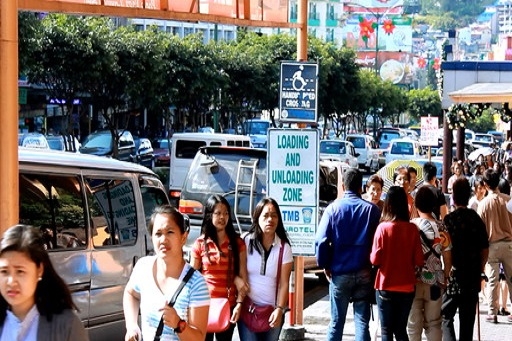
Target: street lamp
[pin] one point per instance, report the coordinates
(378, 16)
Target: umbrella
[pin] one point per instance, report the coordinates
(387, 172)
(483, 152)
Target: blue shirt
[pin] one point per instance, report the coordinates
(349, 224)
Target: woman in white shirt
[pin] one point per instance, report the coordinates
(267, 242)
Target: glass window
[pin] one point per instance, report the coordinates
(332, 147)
(113, 212)
(188, 149)
(54, 204)
(358, 142)
(402, 148)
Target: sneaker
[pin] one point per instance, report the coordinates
(504, 312)
(494, 318)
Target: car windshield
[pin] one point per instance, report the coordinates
(485, 138)
(402, 148)
(256, 128)
(332, 147)
(217, 173)
(358, 142)
(388, 136)
(98, 141)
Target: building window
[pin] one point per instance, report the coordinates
(312, 12)
(293, 12)
(330, 12)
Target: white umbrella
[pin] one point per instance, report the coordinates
(484, 151)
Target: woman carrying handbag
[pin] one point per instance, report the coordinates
(221, 256)
(172, 297)
(269, 265)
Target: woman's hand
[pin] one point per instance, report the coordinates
(170, 316)
(133, 334)
(237, 311)
(241, 286)
(276, 318)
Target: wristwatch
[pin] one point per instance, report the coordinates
(182, 324)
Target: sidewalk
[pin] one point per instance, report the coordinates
(317, 317)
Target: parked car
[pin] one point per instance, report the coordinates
(498, 136)
(161, 150)
(386, 135)
(484, 140)
(339, 150)
(403, 149)
(144, 152)
(33, 140)
(184, 147)
(101, 143)
(366, 147)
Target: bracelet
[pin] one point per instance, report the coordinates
(239, 302)
(283, 309)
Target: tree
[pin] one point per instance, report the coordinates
(65, 57)
(424, 102)
(483, 123)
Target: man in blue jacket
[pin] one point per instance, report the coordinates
(343, 245)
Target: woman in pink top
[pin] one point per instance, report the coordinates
(397, 253)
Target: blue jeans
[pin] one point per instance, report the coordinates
(353, 287)
(248, 335)
(394, 308)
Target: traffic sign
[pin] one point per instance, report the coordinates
(429, 131)
(298, 92)
(292, 180)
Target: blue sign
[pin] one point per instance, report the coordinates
(298, 92)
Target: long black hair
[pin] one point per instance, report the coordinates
(257, 232)
(210, 231)
(52, 294)
(395, 205)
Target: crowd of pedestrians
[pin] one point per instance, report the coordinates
(427, 257)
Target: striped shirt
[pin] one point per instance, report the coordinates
(142, 281)
(215, 267)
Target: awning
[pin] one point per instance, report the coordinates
(483, 93)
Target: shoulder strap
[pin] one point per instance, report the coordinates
(427, 242)
(160, 327)
(279, 264)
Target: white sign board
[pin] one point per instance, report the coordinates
(292, 180)
(429, 131)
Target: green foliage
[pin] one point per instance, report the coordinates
(483, 123)
(424, 102)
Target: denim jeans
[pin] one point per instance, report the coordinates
(343, 289)
(248, 335)
(466, 303)
(394, 308)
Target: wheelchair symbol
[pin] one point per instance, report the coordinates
(298, 82)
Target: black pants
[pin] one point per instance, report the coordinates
(466, 303)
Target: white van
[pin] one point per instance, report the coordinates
(184, 149)
(366, 147)
(92, 212)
